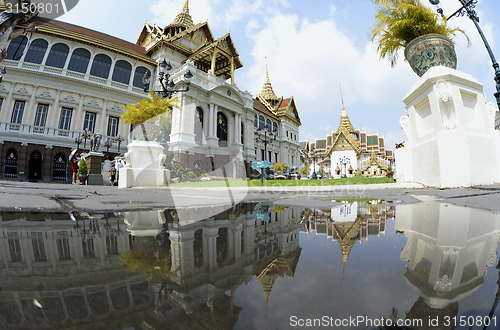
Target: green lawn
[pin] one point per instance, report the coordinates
(286, 183)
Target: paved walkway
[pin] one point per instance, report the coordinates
(53, 197)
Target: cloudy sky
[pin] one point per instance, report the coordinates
(312, 47)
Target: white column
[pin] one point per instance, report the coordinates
(214, 122)
(211, 236)
(7, 105)
(103, 123)
(211, 120)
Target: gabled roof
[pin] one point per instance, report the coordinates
(286, 107)
(258, 104)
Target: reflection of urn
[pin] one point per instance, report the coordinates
(448, 251)
(145, 223)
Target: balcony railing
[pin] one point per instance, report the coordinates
(65, 136)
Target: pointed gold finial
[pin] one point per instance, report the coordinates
(184, 19)
(344, 113)
(267, 91)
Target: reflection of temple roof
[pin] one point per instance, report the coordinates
(271, 268)
(347, 234)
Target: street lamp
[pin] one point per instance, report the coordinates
(118, 139)
(266, 140)
(78, 141)
(85, 135)
(314, 154)
(343, 162)
(108, 143)
(167, 84)
(468, 9)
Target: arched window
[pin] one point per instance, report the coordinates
(58, 55)
(242, 134)
(36, 52)
(275, 128)
(198, 248)
(268, 125)
(262, 122)
(222, 129)
(122, 72)
(16, 48)
(198, 125)
(221, 245)
(79, 61)
(138, 74)
(10, 170)
(100, 66)
(255, 121)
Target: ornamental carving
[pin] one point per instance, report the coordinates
(69, 99)
(46, 95)
(443, 284)
(404, 121)
(116, 108)
(93, 104)
(22, 91)
(443, 91)
(3, 89)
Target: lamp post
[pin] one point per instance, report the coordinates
(167, 84)
(314, 154)
(78, 141)
(343, 162)
(468, 9)
(108, 143)
(85, 135)
(118, 139)
(266, 140)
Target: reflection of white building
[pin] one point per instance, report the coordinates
(74, 269)
(218, 254)
(448, 250)
(74, 273)
(349, 222)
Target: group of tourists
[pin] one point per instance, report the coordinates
(114, 171)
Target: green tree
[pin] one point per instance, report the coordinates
(82, 167)
(397, 22)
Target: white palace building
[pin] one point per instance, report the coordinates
(65, 78)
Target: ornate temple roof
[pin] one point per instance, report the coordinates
(267, 90)
(184, 19)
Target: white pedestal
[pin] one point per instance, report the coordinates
(451, 137)
(144, 166)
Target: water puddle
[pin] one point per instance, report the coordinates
(347, 264)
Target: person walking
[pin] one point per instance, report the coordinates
(74, 168)
(112, 175)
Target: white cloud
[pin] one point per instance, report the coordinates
(310, 59)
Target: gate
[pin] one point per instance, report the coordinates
(59, 168)
(11, 164)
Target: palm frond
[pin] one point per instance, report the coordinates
(397, 22)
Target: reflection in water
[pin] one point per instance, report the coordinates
(448, 251)
(349, 222)
(156, 269)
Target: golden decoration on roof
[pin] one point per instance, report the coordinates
(184, 19)
(267, 91)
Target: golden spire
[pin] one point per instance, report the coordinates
(345, 122)
(184, 18)
(267, 91)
